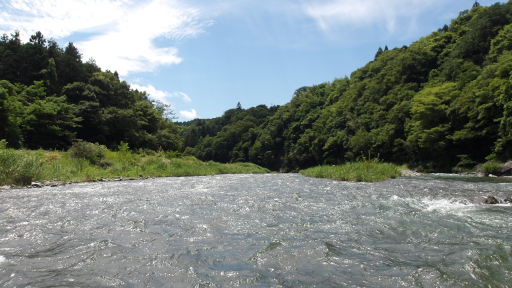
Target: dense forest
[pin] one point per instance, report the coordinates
(49, 98)
(442, 103)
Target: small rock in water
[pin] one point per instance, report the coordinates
(491, 200)
(508, 200)
(479, 174)
(53, 183)
(36, 185)
(407, 173)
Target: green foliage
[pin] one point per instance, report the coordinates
(502, 43)
(48, 123)
(19, 167)
(465, 164)
(173, 155)
(88, 151)
(227, 138)
(365, 171)
(22, 167)
(11, 114)
(50, 97)
(123, 148)
(483, 25)
(491, 167)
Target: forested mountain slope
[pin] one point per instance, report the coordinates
(49, 97)
(443, 102)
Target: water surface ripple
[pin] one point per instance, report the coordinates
(273, 230)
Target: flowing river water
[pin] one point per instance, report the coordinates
(271, 230)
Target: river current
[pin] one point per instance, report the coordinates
(271, 230)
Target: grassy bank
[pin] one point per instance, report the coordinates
(21, 167)
(365, 171)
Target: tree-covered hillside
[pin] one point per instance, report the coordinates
(224, 139)
(443, 102)
(49, 97)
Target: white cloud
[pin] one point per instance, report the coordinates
(331, 14)
(124, 31)
(58, 18)
(189, 114)
(162, 96)
(181, 95)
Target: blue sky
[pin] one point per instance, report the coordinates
(205, 56)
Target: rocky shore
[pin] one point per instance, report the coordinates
(55, 183)
(409, 173)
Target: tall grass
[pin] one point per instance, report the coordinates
(21, 167)
(363, 171)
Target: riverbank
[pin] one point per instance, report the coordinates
(88, 162)
(53, 168)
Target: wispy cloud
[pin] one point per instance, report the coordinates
(124, 32)
(392, 15)
(189, 114)
(58, 18)
(163, 96)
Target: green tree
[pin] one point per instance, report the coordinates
(92, 127)
(379, 52)
(50, 78)
(35, 59)
(11, 113)
(501, 43)
(48, 124)
(483, 26)
(429, 129)
(10, 59)
(69, 66)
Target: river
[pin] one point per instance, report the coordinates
(271, 230)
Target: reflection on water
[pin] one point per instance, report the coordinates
(274, 230)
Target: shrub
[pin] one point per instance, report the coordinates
(89, 151)
(52, 156)
(123, 148)
(19, 168)
(491, 167)
(146, 152)
(105, 163)
(173, 155)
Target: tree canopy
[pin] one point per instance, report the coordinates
(49, 97)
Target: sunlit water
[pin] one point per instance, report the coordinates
(274, 230)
